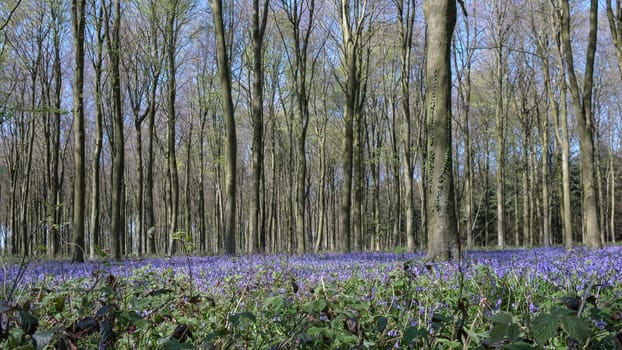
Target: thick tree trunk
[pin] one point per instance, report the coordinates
(440, 18)
(582, 99)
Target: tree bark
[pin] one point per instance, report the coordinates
(79, 183)
(258, 30)
(171, 156)
(440, 16)
(582, 101)
(96, 167)
(231, 142)
(118, 162)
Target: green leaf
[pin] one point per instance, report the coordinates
(274, 304)
(315, 306)
(317, 331)
(497, 333)
(544, 327)
(575, 327)
(236, 319)
(28, 322)
(411, 333)
(381, 323)
(513, 332)
(502, 318)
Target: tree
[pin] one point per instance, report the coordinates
(118, 151)
(5, 21)
(170, 40)
(614, 18)
(354, 20)
(79, 181)
(231, 142)
(258, 31)
(406, 19)
(582, 102)
(301, 20)
(440, 17)
(98, 60)
(466, 43)
(53, 131)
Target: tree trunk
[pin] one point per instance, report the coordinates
(582, 101)
(95, 184)
(116, 226)
(231, 144)
(258, 29)
(79, 183)
(171, 155)
(406, 19)
(440, 16)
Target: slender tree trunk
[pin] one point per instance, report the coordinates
(406, 17)
(150, 224)
(79, 183)
(500, 154)
(171, 155)
(96, 168)
(612, 214)
(231, 144)
(546, 221)
(258, 29)
(54, 142)
(117, 229)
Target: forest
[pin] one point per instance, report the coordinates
(165, 127)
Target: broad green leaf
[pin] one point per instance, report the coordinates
(315, 306)
(411, 333)
(575, 327)
(544, 327)
(513, 332)
(502, 318)
(498, 332)
(274, 303)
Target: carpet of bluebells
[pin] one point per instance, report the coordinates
(512, 299)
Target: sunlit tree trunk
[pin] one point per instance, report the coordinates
(170, 38)
(440, 16)
(500, 117)
(582, 101)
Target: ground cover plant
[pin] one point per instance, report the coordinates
(511, 299)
